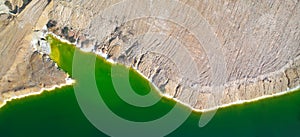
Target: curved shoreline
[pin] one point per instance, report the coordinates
(261, 98)
(69, 81)
(240, 102)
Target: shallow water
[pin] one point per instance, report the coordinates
(58, 114)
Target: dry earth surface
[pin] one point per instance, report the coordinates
(204, 53)
(23, 70)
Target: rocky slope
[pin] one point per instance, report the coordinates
(23, 70)
(204, 53)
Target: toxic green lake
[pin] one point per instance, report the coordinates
(58, 114)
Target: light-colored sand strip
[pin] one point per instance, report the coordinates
(240, 102)
(251, 100)
(69, 81)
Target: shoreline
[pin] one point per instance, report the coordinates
(240, 102)
(68, 82)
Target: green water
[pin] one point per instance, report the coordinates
(57, 113)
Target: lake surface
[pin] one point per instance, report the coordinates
(57, 113)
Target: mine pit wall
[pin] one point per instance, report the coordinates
(164, 74)
(261, 48)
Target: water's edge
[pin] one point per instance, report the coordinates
(102, 55)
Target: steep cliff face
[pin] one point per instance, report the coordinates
(205, 53)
